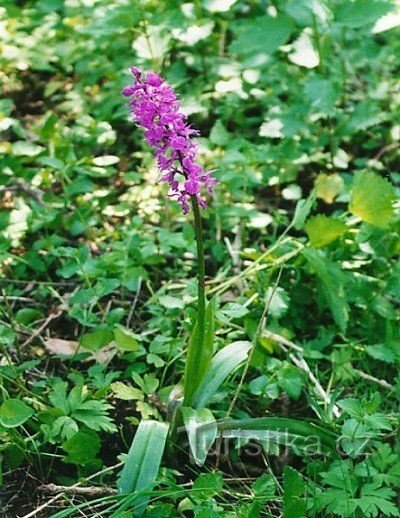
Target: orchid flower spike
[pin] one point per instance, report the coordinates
(155, 107)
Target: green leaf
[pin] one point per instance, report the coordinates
(283, 430)
(125, 339)
(26, 316)
(361, 12)
(171, 302)
(375, 500)
(328, 186)
(278, 301)
(302, 210)
(126, 392)
(199, 359)
(264, 488)
(82, 448)
(381, 352)
(332, 282)
(97, 339)
(263, 34)
(293, 487)
(291, 380)
(323, 230)
(207, 485)
(94, 415)
(14, 412)
(219, 135)
(322, 95)
(372, 199)
(201, 428)
(143, 461)
(222, 364)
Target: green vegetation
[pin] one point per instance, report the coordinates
(291, 407)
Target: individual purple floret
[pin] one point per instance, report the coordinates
(155, 107)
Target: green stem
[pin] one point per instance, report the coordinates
(196, 347)
(200, 267)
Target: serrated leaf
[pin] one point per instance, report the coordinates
(322, 230)
(207, 485)
(328, 186)
(294, 487)
(372, 199)
(126, 392)
(278, 300)
(291, 380)
(264, 488)
(322, 94)
(201, 428)
(143, 461)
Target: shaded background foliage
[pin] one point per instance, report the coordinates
(294, 100)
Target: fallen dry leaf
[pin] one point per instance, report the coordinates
(59, 346)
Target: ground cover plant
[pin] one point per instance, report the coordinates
(127, 390)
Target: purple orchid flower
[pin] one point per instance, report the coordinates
(155, 107)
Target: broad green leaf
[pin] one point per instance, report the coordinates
(143, 461)
(282, 429)
(171, 302)
(97, 339)
(381, 352)
(291, 380)
(328, 186)
(263, 34)
(332, 281)
(323, 230)
(201, 428)
(222, 364)
(293, 487)
(218, 134)
(372, 199)
(14, 412)
(207, 485)
(125, 339)
(82, 448)
(321, 94)
(198, 359)
(361, 12)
